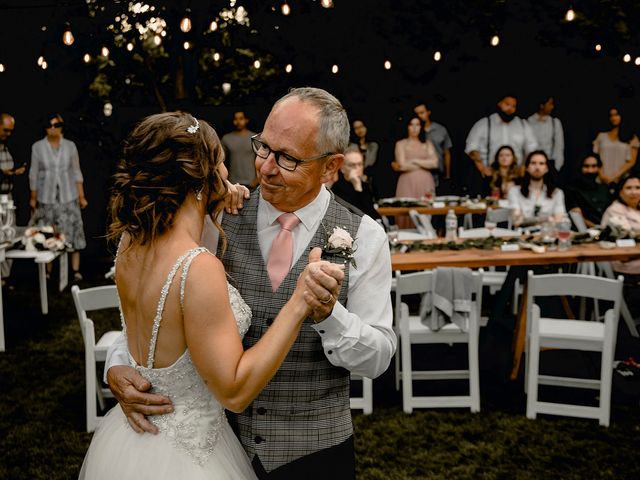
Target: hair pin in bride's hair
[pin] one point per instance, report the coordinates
(195, 127)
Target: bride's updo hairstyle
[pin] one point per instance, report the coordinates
(165, 158)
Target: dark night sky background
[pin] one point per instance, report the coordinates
(539, 54)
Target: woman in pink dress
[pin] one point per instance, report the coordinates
(415, 157)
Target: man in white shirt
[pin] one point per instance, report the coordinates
(300, 425)
(549, 133)
(500, 128)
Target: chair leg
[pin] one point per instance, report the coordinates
(367, 395)
(397, 364)
(474, 372)
(606, 374)
(533, 359)
(407, 382)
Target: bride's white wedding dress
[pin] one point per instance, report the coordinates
(195, 440)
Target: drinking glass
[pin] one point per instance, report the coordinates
(393, 234)
(490, 226)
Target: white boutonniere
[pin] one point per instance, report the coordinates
(340, 243)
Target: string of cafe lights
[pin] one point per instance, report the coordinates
(186, 25)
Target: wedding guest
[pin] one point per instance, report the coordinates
(624, 214)
(617, 147)
(300, 425)
(415, 158)
(57, 191)
(237, 149)
(537, 199)
(505, 172)
(172, 175)
(587, 195)
(369, 149)
(352, 186)
(548, 132)
(438, 135)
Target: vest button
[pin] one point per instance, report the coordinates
(258, 439)
(320, 331)
(330, 352)
(261, 410)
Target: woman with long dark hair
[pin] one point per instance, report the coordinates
(505, 172)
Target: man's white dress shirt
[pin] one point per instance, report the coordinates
(550, 136)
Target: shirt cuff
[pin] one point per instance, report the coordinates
(333, 329)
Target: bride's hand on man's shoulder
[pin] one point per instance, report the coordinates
(131, 390)
(321, 282)
(236, 195)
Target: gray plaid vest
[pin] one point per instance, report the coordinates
(305, 407)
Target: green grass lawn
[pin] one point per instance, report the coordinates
(42, 416)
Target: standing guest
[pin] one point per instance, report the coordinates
(237, 149)
(490, 133)
(549, 133)
(618, 149)
(8, 172)
(438, 135)
(351, 185)
(57, 192)
(369, 149)
(505, 172)
(624, 213)
(300, 425)
(587, 195)
(537, 199)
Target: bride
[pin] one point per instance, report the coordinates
(182, 319)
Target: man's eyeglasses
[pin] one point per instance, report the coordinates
(55, 125)
(284, 160)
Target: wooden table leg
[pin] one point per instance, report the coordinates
(519, 334)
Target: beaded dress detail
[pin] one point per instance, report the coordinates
(197, 428)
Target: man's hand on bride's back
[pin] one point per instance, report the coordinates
(321, 282)
(131, 390)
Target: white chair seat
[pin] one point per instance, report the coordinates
(416, 327)
(104, 343)
(556, 332)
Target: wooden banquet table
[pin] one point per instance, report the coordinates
(476, 258)
(459, 210)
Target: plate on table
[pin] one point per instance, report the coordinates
(447, 198)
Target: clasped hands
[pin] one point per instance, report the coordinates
(321, 281)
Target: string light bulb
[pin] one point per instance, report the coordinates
(105, 52)
(86, 58)
(598, 47)
(44, 65)
(286, 9)
(216, 57)
(213, 26)
(570, 16)
(226, 88)
(326, 3)
(157, 39)
(2, 68)
(67, 36)
(637, 61)
(334, 69)
(288, 68)
(40, 60)
(186, 45)
(129, 46)
(185, 23)
(495, 40)
(256, 64)
(626, 58)
(387, 65)
(437, 56)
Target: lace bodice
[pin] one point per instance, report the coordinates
(195, 423)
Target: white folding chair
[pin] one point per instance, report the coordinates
(365, 402)
(571, 334)
(423, 223)
(412, 331)
(88, 300)
(499, 215)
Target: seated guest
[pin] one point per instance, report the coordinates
(587, 195)
(351, 185)
(505, 172)
(537, 199)
(368, 148)
(623, 213)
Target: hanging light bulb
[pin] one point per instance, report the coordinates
(1, 67)
(105, 52)
(216, 57)
(570, 16)
(67, 36)
(185, 23)
(256, 64)
(288, 68)
(86, 58)
(334, 69)
(387, 65)
(637, 61)
(129, 46)
(44, 65)
(286, 9)
(626, 58)
(326, 3)
(437, 56)
(186, 45)
(598, 47)
(226, 88)
(214, 26)
(157, 39)
(495, 40)
(40, 60)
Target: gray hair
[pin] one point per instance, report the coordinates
(334, 125)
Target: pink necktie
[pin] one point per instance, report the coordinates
(281, 252)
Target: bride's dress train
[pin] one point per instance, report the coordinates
(195, 440)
